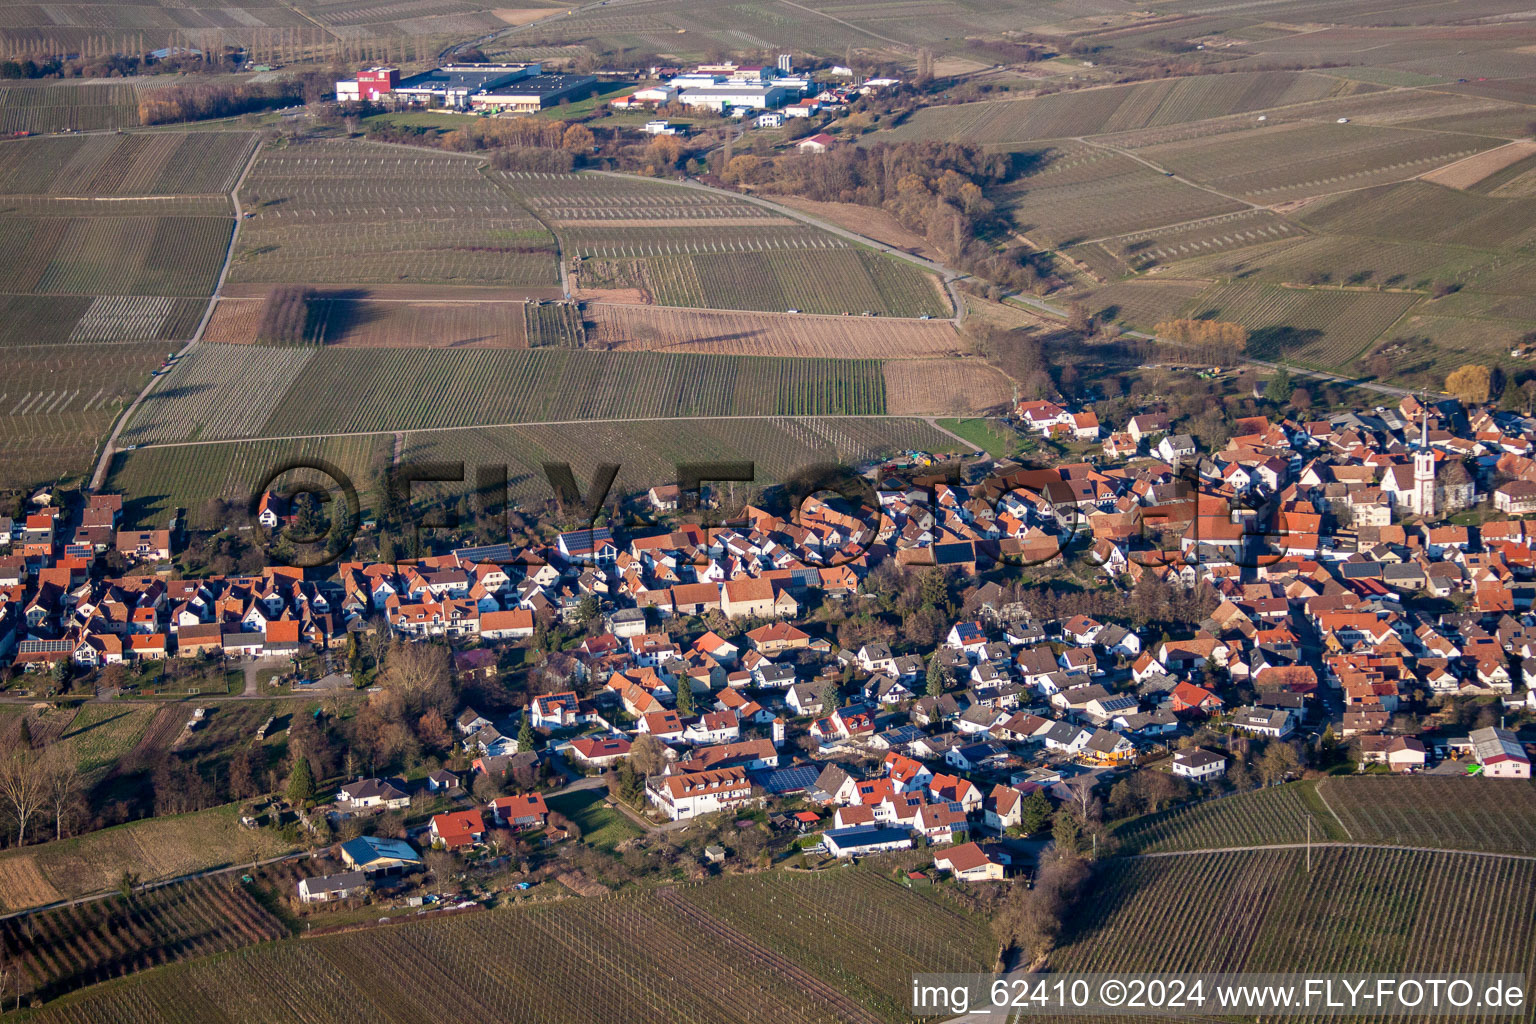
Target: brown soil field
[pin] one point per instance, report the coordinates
(523, 15)
(418, 292)
(1468, 172)
(22, 885)
(944, 387)
(625, 295)
(425, 325)
(657, 328)
(677, 222)
(866, 220)
(234, 321)
(388, 324)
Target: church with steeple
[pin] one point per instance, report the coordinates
(1426, 489)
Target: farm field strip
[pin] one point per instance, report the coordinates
(1274, 164)
(346, 212)
(112, 255)
(233, 391)
(1492, 815)
(147, 164)
(625, 326)
(1273, 815)
(74, 106)
(945, 387)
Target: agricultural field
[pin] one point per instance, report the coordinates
(158, 480)
(58, 402)
(687, 247)
(1233, 231)
(992, 436)
(1351, 261)
(626, 327)
(1075, 193)
(1420, 212)
(80, 251)
(948, 387)
(66, 106)
(232, 391)
(347, 322)
(1491, 815)
(1358, 910)
(1314, 326)
(152, 848)
(1063, 115)
(835, 281)
(217, 391)
(1142, 303)
(159, 164)
(60, 950)
(1277, 814)
(635, 950)
(341, 212)
(100, 734)
(1423, 349)
(1282, 162)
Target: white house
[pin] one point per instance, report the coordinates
(1198, 765)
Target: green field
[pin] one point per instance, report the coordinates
(601, 826)
(849, 940)
(988, 435)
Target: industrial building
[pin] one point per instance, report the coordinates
(520, 88)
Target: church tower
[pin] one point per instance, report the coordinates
(1424, 472)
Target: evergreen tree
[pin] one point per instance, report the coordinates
(1034, 812)
(1279, 388)
(936, 677)
(301, 781)
(685, 697)
(525, 736)
(831, 697)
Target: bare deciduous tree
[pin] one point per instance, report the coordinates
(24, 787)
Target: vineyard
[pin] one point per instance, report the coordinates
(58, 402)
(56, 253)
(59, 950)
(1203, 238)
(947, 387)
(1118, 109)
(159, 164)
(337, 212)
(835, 281)
(158, 480)
(1277, 814)
(231, 391)
(152, 848)
(1493, 815)
(1315, 326)
(1142, 303)
(1358, 910)
(553, 323)
(1421, 212)
(657, 328)
(1076, 192)
(61, 106)
(783, 948)
(1291, 161)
